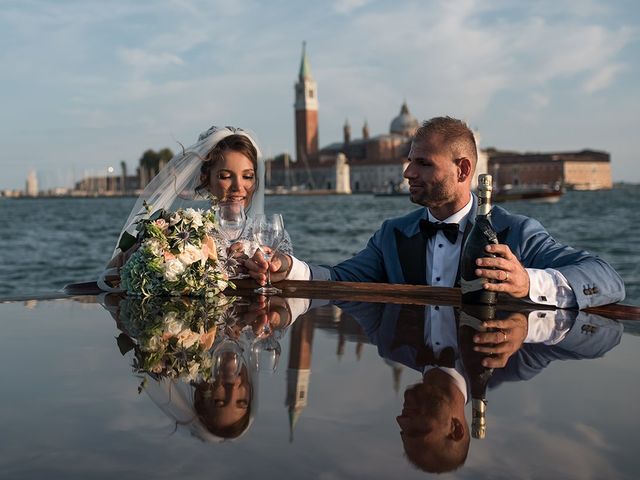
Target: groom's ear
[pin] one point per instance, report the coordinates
(464, 168)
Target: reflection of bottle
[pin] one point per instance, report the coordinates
(481, 235)
(469, 323)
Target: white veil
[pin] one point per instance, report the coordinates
(175, 185)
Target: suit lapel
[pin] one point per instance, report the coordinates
(465, 234)
(412, 254)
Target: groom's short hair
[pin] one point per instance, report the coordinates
(455, 133)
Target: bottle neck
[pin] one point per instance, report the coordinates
(484, 203)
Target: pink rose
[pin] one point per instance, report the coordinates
(162, 224)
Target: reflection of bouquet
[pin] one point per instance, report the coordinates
(172, 337)
(177, 256)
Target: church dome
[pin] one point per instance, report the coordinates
(405, 123)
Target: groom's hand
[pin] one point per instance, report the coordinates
(511, 276)
(257, 267)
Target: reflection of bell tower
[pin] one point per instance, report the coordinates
(299, 370)
(396, 368)
(306, 108)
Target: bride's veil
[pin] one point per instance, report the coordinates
(175, 185)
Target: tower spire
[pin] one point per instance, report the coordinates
(305, 69)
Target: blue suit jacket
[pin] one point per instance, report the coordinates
(396, 253)
(591, 336)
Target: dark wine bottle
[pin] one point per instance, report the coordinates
(470, 318)
(481, 235)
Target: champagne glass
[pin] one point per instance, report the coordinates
(232, 220)
(268, 231)
(227, 360)
(265, 353)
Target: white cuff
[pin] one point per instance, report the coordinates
(550, 287)
(547, 326)
(299, 270)
(297, 306)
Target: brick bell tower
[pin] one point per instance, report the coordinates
(306, 108)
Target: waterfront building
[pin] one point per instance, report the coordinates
(582, 170)
(109, 185)
(31, 188)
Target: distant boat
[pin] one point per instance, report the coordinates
(538, 193)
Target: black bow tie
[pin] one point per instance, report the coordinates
(429, 229)
(426, 356)
(411, 333)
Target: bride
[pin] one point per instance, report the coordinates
(225, 164)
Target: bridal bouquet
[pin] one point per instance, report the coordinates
(172, 337)
(177, 256)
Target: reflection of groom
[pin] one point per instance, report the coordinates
(417, 248)
(435, 434)
(434, 431)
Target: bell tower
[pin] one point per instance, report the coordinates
(306, 108)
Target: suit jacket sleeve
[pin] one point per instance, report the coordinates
(593, 281)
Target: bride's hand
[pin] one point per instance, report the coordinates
(236, 251)
(257, 267)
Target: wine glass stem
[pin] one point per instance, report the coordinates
(268, 285)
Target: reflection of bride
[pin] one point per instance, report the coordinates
(194, 358)
(222, 408)
(199, 359)
(224, 163)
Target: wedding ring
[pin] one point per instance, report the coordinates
(504, 334)
(506, 279)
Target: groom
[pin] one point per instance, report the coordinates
(424, 246)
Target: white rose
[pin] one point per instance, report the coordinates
(193, 216)
(172, 325)
(191, 254)
(191, 374)
(172, 269)
(155, 344)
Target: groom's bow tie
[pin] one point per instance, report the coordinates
(429, 229)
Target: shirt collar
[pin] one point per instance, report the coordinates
(458, 379)
(460, 217)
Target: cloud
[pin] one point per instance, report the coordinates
(347, 6)
(602, 78)
(149, 67)
(143, 60)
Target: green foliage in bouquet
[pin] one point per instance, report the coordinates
(177, 255)
(172, 337)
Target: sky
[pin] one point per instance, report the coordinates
(85, 85)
